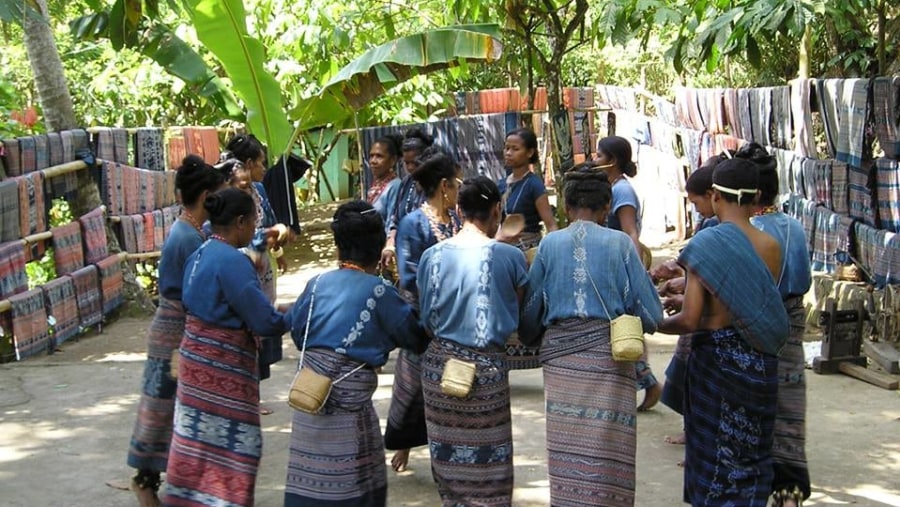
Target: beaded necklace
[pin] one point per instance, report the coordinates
(218, 237)
(768, 210)
(434, 222)
(351, 266)
(189, 218)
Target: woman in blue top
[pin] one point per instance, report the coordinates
(582, 277)
(525, 192)
(470, 287)
(614, 157)
(383, 157)
(217, 438)
(433, 222)
(152, 433)
(345, 323)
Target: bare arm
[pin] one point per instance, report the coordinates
(688, 319)
(542, 204)
(627, 216)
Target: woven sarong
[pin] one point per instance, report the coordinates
(111, 282)
(152, 432)
(111, 187)
(120, 143)
(148, 149)
(866, 246)
(216, 438)
(87, 289)
(470, 438)
(729, 420)
(789, 446)
(676, 374)
(859, 193)
(337, 456)
(93, 233)
(127, 238)
(406, 416)
(825, 240)
(31, 333)
(159, 230)
(68, 254)
(28, 154)
(829, 92)
(481, 140)
(886, 114)
(59, 296)
(840, 188)
(888, 193)
(12, 157)
(781, 116)
(805, 144)
(170, 214)
(13, 279)
(10, 225)
(591, 417)
(149, 240)
(822, 171)
(854, 102)
(32, 207)
(41, 153)
(176, 152)
(54, 149)
(104, 146)
(887, 262)
(761, 113)
(140, 238)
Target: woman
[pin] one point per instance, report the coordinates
(525, 192)
(251, 155)
(614, 157)
(152, 433)
(791, 481)
(582, 277)
(217, 439)
(409, 195)
(470, 287)
(343, 442)
(433, 222)
(383, 157)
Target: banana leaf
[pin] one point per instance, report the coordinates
(382, 67)
(221, 26)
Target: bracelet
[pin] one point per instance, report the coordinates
(389, 248)
(278, 252)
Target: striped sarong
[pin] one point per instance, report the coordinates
(887, 263)
(854, 104)
(840, 188)
(216, 438)
(59, 295)
(120, 145)
(676, 373)
(12, 157)
(149, 448)
(104, 145)
(176, 152)
(825, 240)
(805, 144)
(111, 282)
(32, 207)
(888, 193)
(886, 114)
(54, 149)
(68, 254)
(789, 445)
(159, 231)
(591, 417)
(31, 333)
(808, 168)
(823, 183)
(13, 279)
(87, 290)
(148, 149)
(10, 225)
(829, 92)
(41, 152)
(781, 116)
(93, 233)
(149, 239)
(729, 420)
(337, 456)
(137, 226)
(27, 154)
(859, 193)
(406, 415)
(866, 246)
(128, 238)
(470, 438)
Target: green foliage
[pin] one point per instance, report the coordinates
(147, 275)
(43, 270)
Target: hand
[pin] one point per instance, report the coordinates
(674, 286)
(388, 256)
(282, 264)
(285, 307)
(666, 271)
(271, 236)
(509, 239)
(673, 304)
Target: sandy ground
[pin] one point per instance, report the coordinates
(65, 422)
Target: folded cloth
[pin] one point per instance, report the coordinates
(10, 225)
(159, 232)
(13, 279)
(31, 332)
(111, 282)
(93, 233)
(128, 236)
(104, 145)
(886, 114)
(840, 188)
(825, 242)
(87, 290)
(805, 144)
(61, 304)
(28, 154)
(137, 222)
(55, 149)
(68, 253)
(149, 234)
(41, 152)
(851, 141)
(120, 143)
(12, 157)
(829, 93)
(866, 246)
(888, 193)
(32, 207)
(148, 149)
(781, 116)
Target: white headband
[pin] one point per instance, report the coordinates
(735, 191)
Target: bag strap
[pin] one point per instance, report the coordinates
(786, 251)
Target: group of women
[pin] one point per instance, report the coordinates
(466, 308)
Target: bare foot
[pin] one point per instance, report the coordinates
(264, 411)
(146, 497)
(676, 440)
(789, 503)
(651, 398)
(400, 460)
(681, 464)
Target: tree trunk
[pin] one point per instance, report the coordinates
(805, 50)
(47, 67)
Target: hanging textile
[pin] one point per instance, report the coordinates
(10, 225)
(805, 143)
(93, 233)
(68, 253)
(31, 333)
(148, 149)
(111, 282)
(888, 193)
(87, 291)
(61, 304)
(13, 279)
(12, 155)
(886, 114)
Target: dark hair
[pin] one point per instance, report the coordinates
(530, 141)
(416, 140)
(244, 147)
(358, 233)
(756, 154)
(392, 142)
(226, 205)
(194, 177)
(767, 166)
(620, 149)
(701, 180)
(228, 167)
(737, 173)
(477, 197)
(587, 187)
(435, 165)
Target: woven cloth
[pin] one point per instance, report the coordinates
(176, 152)
(111, 282)
(54, 149)
(32, 207)
(41, 152)
(887, 175)
(829, 93)
(840, 188)
(68, 253)
(781, 116)
(31, 333)
(159, 231)
(140, 238)
(149, 234)
(12, 157)
(28, 154)
(13, 279)
(10, 225)
(825, 240)
(61, 304)
(120, 143)
(860, 193)
(148, 149)
(93, 232)
(104, 145)
(87, 291)
(887, 264)
(851, 141)
(170, 214)
(805, 143)
(761, 114)
(202, 141)
(886, 114)
(128, 236)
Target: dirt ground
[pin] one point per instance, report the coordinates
(66, 419)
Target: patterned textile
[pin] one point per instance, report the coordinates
(444, 133)
(887, 262)
(591, 417)
(111, 282)
(866, 246)
(682, 107)
(149, 448)
(13, 279)
(781, 116)
(12, 156)
(888, 193)
(41, 152)
(104, 146)
(149, 232)
(846, 233)
(128, 237)
(10, 226)
(32, 208)
(93, 232)
(120, 140)
(825, 240)
(148, 149)
(745, 114)
(68, 253)
(761, 111)
(731, 112)
(54, 149)
(406, 415)
(140, 237)
(68, 149)
(840, 188)
(886, 114)
(673, 394)
(159, 231)
(853, 117)
(785, 160)
(805, 143)
(176, 153)
(789, 445)
(111, 186)
(337, 456)
(170, 214)
(829, 93)
(690, 141)
(217, 439)
(87, 290)
(859, 192)
(729, 420)
(481, 140)
(823, 177)
(31, 333)
(61, 305)
(28, 154)
(470, 438)
(494, 100)
(203, 141)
